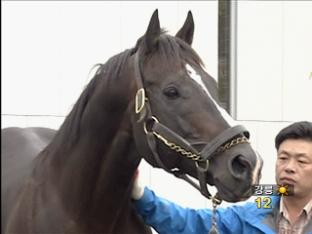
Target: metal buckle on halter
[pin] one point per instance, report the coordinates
(139, 100)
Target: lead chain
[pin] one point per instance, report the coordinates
(214, 228)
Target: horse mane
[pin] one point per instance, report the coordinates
(170, 48)
(176, 49)
(70, 130)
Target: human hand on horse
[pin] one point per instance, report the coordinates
(138, 186)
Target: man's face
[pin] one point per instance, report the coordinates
(294, 166)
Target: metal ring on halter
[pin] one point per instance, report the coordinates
(144, 126)
(202, 169)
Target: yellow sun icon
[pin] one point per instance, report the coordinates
(282, 190)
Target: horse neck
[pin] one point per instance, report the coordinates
(93, 175)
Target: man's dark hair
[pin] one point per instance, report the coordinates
(298, 130)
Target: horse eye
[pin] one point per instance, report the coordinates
(171, 92)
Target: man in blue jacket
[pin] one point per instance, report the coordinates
(285, 214)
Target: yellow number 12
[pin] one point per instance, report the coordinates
(263, 202)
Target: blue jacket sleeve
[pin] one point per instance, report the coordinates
(169, 218)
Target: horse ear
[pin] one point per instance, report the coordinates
(187, 31)
(153, 31)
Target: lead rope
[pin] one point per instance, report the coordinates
(214, 228)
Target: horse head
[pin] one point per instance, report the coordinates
(177, 122)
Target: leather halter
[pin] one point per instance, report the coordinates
(156, 131)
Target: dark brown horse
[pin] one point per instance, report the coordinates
(153, 101)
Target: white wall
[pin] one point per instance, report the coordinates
(274, 67)
(274, 57)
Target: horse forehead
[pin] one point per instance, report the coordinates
(197, 78)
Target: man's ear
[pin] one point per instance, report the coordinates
(187, 31)
(153, 32)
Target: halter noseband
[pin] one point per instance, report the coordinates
(154, 130)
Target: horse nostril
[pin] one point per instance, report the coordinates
(240, 166)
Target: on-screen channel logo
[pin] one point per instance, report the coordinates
(273, 190)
